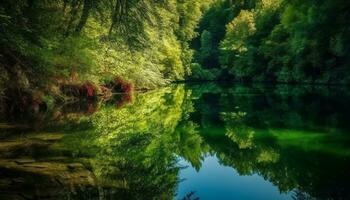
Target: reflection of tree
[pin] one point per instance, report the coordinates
(133, 148)
(190, 196)
(299, 195)
(138, 143)
(132, 152)
(268, 156)
(283, 138)
(190, 144)
(237, 131)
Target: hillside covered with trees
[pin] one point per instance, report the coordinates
(143, 41)
(276, 41)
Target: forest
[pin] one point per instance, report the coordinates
(53, 49)
(175, 99)
(275, 41)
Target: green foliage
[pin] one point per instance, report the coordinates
(238, 31)
(135, 145)
(206, 46)
(198, 73)
(279, 41)
(214, 21)
(146, 42)
(134, 151)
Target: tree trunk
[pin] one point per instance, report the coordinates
(120, 9)
(75, 4)
(88, 4)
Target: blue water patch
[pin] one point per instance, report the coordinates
(215, 181)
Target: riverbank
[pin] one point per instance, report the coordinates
(119, 91)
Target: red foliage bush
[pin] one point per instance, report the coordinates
(89, 89)
(125, 99)
(123, 86)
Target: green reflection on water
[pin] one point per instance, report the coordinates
(295, 137)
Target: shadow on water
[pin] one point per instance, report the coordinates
(294, 137)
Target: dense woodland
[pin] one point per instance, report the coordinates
(47, 44)
(150, 43)
(275, 40)
(79, 60)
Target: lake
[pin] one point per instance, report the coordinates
(184, 142)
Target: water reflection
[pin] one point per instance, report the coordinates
(215, 181)
(284, 142)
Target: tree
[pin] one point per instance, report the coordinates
(88, 5)
(206, 46)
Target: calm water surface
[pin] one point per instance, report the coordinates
(183, 142)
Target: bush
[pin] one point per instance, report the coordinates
(198, 73)
(120, 85)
